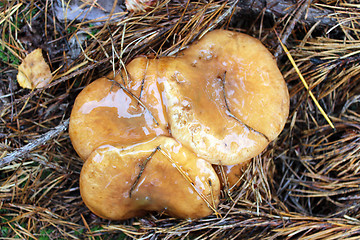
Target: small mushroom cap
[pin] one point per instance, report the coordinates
(230, 176)
(105, 113)
(111, 173)
(225, 96)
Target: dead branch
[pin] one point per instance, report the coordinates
(279, 9)
(23, 151)
(290, 27)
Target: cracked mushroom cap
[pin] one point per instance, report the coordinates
(225, 96)
(118, 112)
(120, 182)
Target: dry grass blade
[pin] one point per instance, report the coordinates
(305, 83)
(8, 13)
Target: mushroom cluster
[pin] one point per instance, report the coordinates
(151, 135)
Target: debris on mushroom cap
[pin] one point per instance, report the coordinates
(140, 79)
(111, 112)
(120, 182)
(231, 99)
(34, 72)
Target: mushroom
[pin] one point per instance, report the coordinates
(123, 181)
(226, 98)
(159, 125)
(120, 111)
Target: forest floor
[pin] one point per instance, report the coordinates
(305, 185)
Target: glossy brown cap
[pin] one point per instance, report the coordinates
(106, 113)
(225, 96)
(120, 182)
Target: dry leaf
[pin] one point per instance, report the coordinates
(34, 72)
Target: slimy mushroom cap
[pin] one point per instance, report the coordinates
(225, 96)
(121, 111)
(120, 182)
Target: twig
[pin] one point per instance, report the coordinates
(56, 82)
(23, 151)
(142, 168)
(143, 80)
(281, 8)
(226, 14)
(291, 27)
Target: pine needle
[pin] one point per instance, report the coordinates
(191, 182)
(304, 82)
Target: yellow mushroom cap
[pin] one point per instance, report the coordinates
(226, 99)
(173, 180)
(105, 113)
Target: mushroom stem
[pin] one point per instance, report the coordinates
(229, 113)
(142, 168)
